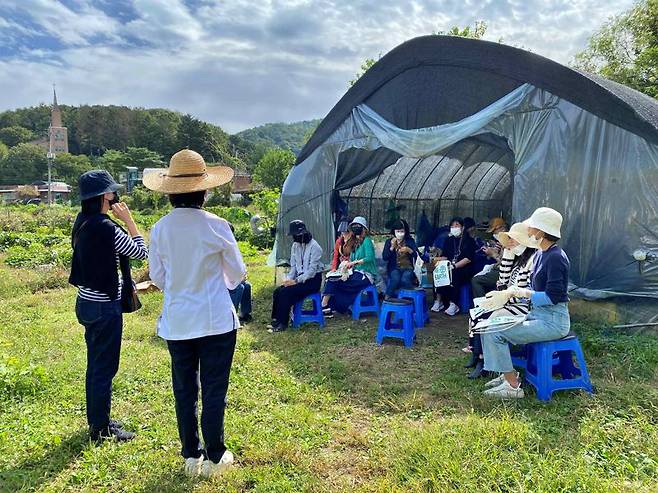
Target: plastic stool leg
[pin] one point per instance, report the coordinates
(584, 373)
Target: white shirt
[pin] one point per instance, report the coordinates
(305, 261)
(194, 259)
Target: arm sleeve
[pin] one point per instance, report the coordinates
(292, 274)
(556, 280)
(386, 252)
(130, 247)
(156, 267)
(233, 267)
(469, 250)
(334, 260)
(369, 249)
(314, 261)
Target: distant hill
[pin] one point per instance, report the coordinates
(291, 136)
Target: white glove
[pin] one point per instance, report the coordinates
(496, 300)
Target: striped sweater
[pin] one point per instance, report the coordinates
(134, 247)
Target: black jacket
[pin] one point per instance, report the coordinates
(94, 255)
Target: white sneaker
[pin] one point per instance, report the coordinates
(211, 468)
(193, 466)
(505, 391)
(497, 381)
(437, 306)
(452, 310)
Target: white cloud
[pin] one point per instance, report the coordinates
(240, 63)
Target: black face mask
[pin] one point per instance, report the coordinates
(298, 238)
(114, 200)
(357, 230)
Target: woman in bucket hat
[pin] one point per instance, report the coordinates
(194, 259)
(342, 292)
(303, 279)
(548, 318)
(100, 249)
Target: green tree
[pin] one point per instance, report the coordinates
(625, 49)
(68, 168)
(24, 163)
(365, 66)
(4, 150)
(116, 161)
(477, 31)
(15, 135)
(273, 167)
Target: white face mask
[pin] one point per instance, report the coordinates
(456, 232)
(518, 250)
(534, 241)
(399, 235)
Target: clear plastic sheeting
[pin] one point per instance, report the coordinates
(604, 180)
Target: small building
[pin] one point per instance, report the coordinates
(36, 192)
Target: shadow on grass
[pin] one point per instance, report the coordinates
(34, 472)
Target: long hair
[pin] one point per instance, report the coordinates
(522, 260)
(93, 205)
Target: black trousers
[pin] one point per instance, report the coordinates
(284, 297)
(206, 360)
(482, 285)
(103, 322)
(450, 294)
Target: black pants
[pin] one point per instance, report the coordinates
(103, 324)
(450, 294)
(206, 360)
(284, 297)
(482, 285)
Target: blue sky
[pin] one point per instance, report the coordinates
(241, 63)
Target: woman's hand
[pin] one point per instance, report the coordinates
(289, 282)
(122, 213)
(406, 250)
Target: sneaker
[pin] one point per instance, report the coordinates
(193, 466)
(467, 349)
(211, 468)
(498, 380)
(112, 432)
(452, 310)
(437, 306)
(276, 328)
(505, 391)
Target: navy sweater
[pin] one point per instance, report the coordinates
(550, 276)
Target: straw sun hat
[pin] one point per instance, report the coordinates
(187, 172)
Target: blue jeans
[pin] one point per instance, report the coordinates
(399, 279)
(241, 298)
(206, 361)
(543, 323)
(103, 322)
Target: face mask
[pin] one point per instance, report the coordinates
(456, 232)
(357, 230)
(534, 241)
(297, 238)
(114, 200)
(518, 250)
(399, 235)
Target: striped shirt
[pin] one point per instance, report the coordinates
(134, 247)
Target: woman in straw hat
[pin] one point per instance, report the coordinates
(548, 318)
(194, 259)
(515, 266)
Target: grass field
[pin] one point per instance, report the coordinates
(315, 411)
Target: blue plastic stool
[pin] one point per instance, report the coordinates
(366, 301)
(396, 320)
(421, 312)
(314, 315)
(465, 298)
(546, 359)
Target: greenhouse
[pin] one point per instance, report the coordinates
(447, 126)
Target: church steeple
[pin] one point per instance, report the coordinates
(55, 113)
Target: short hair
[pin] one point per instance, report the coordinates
(190, 199)
(93, 205)
(456, 219)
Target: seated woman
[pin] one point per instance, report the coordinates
(304, 278)
(459, 249)
(515, 267)
(400, 253)
(342, 251)
(548, 318)
(343, 290)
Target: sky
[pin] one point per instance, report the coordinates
(242, 63)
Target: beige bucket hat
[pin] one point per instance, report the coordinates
(187, 172)
(518, 232)
(547, 220)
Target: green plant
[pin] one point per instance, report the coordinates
(19, 378)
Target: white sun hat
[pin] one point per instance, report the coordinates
(360, 220)
(547, 220)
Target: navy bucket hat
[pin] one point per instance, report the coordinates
(96, 182)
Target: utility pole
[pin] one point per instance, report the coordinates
(50, 157)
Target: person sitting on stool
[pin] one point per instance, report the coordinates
(304, 278)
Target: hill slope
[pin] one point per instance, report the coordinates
(291, 136)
